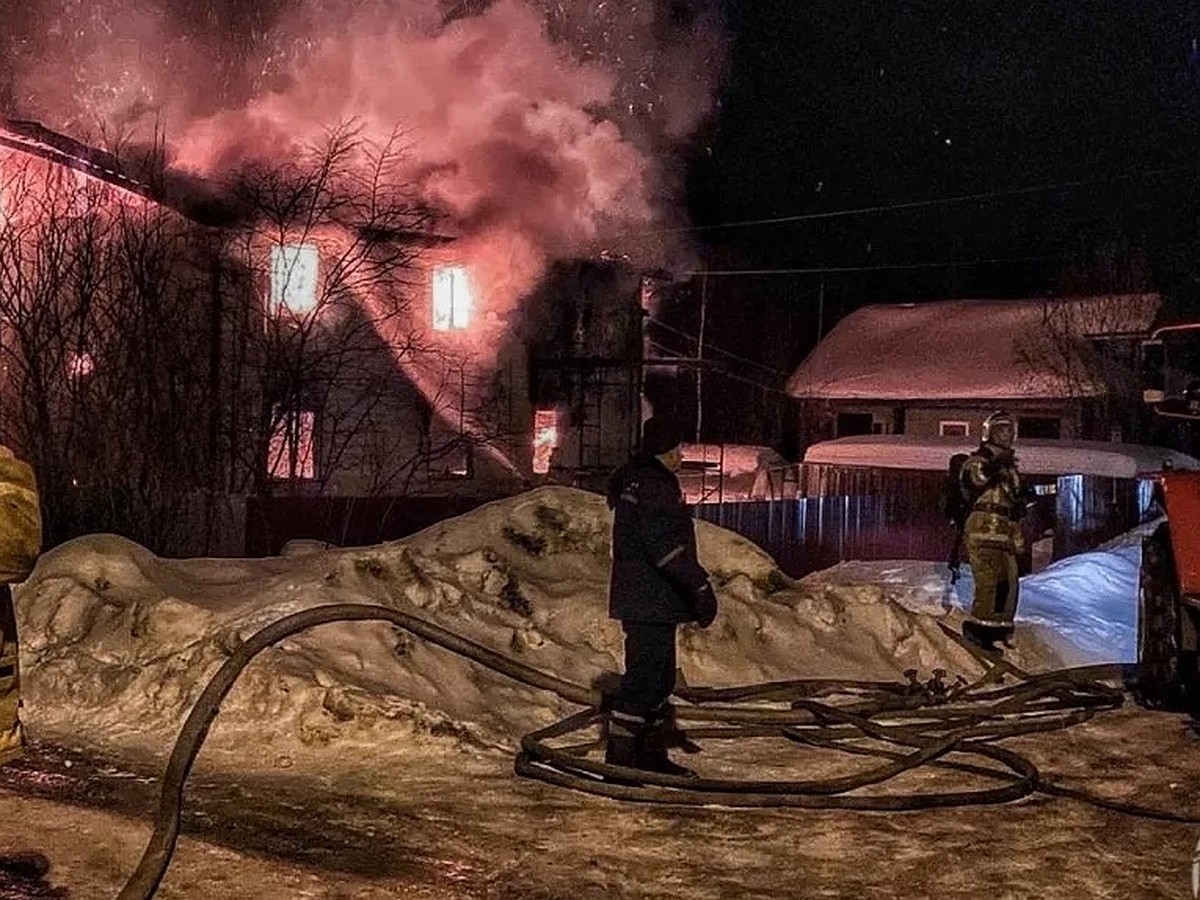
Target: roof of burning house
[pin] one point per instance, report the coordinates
(971, 349)
(202, 202)
(192, 196)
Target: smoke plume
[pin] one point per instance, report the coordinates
(542, 128)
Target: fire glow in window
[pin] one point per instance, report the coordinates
(80, 364)
(545, 439)
(290, 455)
(293, 278)
(451, 298)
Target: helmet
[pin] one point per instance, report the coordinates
(998, 419)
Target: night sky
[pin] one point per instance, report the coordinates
(835, 105)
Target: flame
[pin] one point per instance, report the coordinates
(545, 439)
(451, 298)
(294, 278)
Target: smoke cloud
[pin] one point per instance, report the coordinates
(542, 128)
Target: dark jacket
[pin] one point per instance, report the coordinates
(655, 572)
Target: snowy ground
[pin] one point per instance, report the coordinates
(357, 761)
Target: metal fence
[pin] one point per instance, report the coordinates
(842, 513)
(830, 514)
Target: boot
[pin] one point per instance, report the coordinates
(652, 752)
(622, 734)
(982, 636)
(1006, 635)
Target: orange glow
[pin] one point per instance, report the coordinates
(545, 439)
(293, 278)
(290, 455)
(80, 364)
(451, 298)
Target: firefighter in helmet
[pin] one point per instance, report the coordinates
(20, 541)
(657, 583)
(992, 533)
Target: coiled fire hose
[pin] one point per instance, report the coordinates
(907, 725)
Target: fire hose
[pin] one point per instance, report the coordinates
(906, 725)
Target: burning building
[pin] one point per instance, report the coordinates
(270, 354)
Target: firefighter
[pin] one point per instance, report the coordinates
(20, 542)
(992, 532)
(657, 583)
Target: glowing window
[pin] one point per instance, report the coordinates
(451, 298)
(545, 439)
(80, 364)
(293, 278)
(290, 454)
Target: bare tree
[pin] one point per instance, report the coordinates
(155, 362)
(1086, 349)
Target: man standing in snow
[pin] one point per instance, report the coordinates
(657, 583)
(992, 533)
(20, 541)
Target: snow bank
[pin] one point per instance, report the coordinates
(118, 643)
(1083, 609)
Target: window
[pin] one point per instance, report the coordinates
(293, 278)
(451, 298)
(954, 428)
(290, 454)
(545, 439)
(849, 424)
(1039, 427)
(80, 364)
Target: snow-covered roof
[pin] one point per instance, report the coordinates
(733, 459)
(1034, 456)
(968, 349)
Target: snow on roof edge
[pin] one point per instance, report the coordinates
(1035, 456)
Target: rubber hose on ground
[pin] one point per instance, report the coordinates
(905, 725)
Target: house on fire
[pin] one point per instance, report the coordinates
(1065, 367)
(158, 332)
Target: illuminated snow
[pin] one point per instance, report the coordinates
(1036, 456)
(967, 349)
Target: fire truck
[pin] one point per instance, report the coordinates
(1169, 594)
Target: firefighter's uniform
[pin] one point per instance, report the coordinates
(656, 584)
(20, 541)
(992, 534)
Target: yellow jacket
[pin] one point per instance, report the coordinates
(20, 542)
(995, 515)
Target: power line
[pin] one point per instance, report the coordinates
(710, 346)
(911, 204)
(725, 373)
(881, 267)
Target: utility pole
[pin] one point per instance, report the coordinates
(700, 355)
(821, 311)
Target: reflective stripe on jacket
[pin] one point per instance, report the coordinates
(994, 519)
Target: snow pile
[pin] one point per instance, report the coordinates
(732, 459)
(1083, 607)
(118, 643)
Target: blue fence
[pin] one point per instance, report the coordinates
(878, 514)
